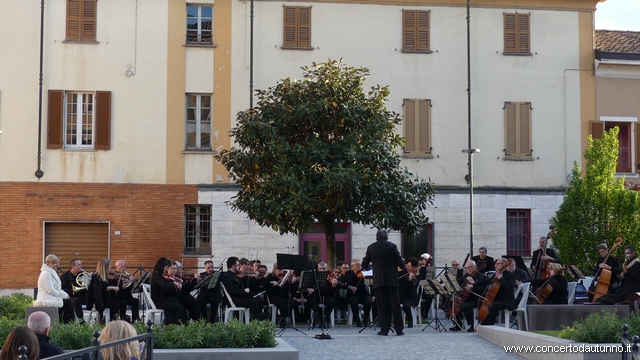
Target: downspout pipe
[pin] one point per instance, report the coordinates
(39, 173)
(251, 59)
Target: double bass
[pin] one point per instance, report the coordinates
(541, 266)
(491, 294)
(603, 281)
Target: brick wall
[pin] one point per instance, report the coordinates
(150, 219)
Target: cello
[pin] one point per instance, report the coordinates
(603, 281)
(546, 289)
(491, 294)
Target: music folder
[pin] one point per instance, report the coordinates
(432, 287)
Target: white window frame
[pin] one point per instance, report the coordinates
(632, 150)
(198, 122)
(200, 19)
(79, 119)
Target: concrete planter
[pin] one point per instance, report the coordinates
(509, 337)
(283, 351)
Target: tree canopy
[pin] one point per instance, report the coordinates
(322, 150)
(597, 207)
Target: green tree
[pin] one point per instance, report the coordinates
(321, 149)
(597, 207)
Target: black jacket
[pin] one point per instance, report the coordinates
(484, 265)
(505, 293)
(46, 349)
(386, 260)
(559, 293)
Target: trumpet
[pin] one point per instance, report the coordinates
(83, 279)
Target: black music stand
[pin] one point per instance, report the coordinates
(575, 273)
(145, 278)
(434, 288)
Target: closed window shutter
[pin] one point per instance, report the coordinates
(290, 27)
(103, 120)
(89, 20)
(510, 130)
(523, 33)
(423, 30)
(54, 119)
(524, 120)
(637, 138)
(410, 127)
(424, 114)
(73, 20)
(304, 26)
(596, 128)
(409, 30)
(85, 241)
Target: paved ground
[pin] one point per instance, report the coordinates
(347, 343)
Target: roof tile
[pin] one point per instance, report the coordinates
(618, 41)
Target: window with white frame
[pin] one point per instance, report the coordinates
(197, 229)
(78, 120)
(198, 119)
(628, 140)
(199, 24)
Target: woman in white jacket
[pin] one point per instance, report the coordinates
(50, 291)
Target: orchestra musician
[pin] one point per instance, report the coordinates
(123, 282)
(238, 292)
(520, 275)
(184, 293)
(630, 282)
(326, 295)
(357, 293)
(504, 298)
(612, 264)
(456, 269)
(78, 297)
(471, 302)
(211, 296)
(559, 283)
(408, 291)
(278, 291)
(164, 293)
(483, 262)
(101, 293)
(50, 291)
(549, 255)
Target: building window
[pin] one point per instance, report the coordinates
(418, 244)
(417, 127)
(518, 232)
(81, 20)
(314, 243)
(628, 141)
(415, 31)
(517, 132)
(517, 34)
(197, 230)
(199, 24)
(79, 120)
(297, 27)
(198, 119)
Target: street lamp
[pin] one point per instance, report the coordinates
(470, 153)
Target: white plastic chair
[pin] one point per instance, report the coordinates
(522, 306)
(244, 313)
(155, 314)
(571, 292)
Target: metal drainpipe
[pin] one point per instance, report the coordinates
(39, 173)
(470, 154)
(251, 61)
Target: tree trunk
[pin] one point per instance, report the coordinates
(330, 237)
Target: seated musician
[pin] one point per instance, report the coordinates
(102, 291)
(520, 275)
(69, 284)
(408, 288)
(538, 257)
(357, 292)
(211, 296)
(341, 291)
(612, 264)
(326, 296)
(238, 292)
(278, 291)
(471, 302)
(184, 293)
(504, 298)
(456, 269)
(483, 262)
(630, 282)
(557, 281)
(164, 291)
(50, 291)
(426, 298)
(124, 282)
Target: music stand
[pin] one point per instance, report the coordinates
(575, 272)
(434, 288)
(143, 279)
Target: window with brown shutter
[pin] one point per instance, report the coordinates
(297, 27)
(517, 130)
(417, 127)
(517, 34)
(103, 120)
(415, 30)
(54, 119)
(627, 138)
(81, 20)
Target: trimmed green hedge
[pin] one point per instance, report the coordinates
(602, 327)
(14, 306)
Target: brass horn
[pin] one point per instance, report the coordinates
(83, 279)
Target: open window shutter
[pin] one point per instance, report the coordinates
(290, 27)
(73, 20)
(523, 33)
(424, 127)
(423, 30)
(103, 120)
(88, 20)
(596, 128)
(410, 126)
(510, 129)
(510, 33)
(525, 129)
(54, 119)
(637, 137)
(304, 26)
(409, 30)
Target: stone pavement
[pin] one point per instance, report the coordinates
(347, 343)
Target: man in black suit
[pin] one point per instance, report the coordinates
(238, 292)
(538, 257)
(504, 298)
(40, 323)
(483, 262)
(386, 260)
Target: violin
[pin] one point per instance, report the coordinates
(176, 281)
(332, 277)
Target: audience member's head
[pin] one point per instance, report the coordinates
(20, 335)
(118, 330)
(39, 322)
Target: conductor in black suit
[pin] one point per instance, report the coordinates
(386, 260)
